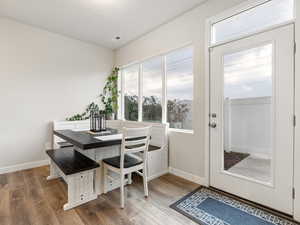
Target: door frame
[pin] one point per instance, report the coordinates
(280, 44)
(297, 113)
(207, 48)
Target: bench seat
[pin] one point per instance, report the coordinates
(70, 161)
(78, 171)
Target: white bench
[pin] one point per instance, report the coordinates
(78, 171)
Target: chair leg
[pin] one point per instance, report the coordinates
(129, 178)
(145, 181)
(122, 191)
(105, 179)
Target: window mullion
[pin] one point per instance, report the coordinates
(140, 91)
(121, 96)
(164, 90)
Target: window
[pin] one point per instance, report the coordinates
(152, 90)
(171, 74)
(256, 18)
(131, 85)
(179, 70)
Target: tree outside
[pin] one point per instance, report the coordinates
(179, 112)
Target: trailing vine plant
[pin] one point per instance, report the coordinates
(109, 99)
(91, 108)
(110, 94)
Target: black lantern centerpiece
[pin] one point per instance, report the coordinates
(98, 121)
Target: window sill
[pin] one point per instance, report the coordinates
(181, 131)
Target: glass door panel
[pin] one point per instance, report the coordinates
(248, 113)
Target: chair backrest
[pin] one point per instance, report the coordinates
(159, 131)
(135, 140)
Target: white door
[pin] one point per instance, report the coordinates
(252, 119)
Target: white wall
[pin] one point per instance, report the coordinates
(247, 126)
(186, 150)
(43, 77)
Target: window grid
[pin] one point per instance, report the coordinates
(164, 99)
(140, 91)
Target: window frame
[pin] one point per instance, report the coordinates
(243, 7)
(140, 87)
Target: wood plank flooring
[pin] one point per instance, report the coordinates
(27, 198)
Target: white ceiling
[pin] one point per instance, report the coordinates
(97, 21)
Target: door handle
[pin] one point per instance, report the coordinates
(213, 125)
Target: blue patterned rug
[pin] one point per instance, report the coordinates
(207, 207)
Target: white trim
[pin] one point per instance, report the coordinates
(297, 113)
(207, 102)
(240, 8)
(24, 166)
(181, 131)
(154, 176)
(188, 176)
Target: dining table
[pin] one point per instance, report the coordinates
(96, 146)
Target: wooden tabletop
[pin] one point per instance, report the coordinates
(85, 140)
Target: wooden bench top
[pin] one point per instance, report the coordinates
(70, 161)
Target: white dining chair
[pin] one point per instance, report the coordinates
(133, 158)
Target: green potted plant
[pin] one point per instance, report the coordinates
(109, 97)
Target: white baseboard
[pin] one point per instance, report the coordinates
(188, 176)
(24, 166)
(157, 175)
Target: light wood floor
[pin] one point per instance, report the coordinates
(27, 198)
